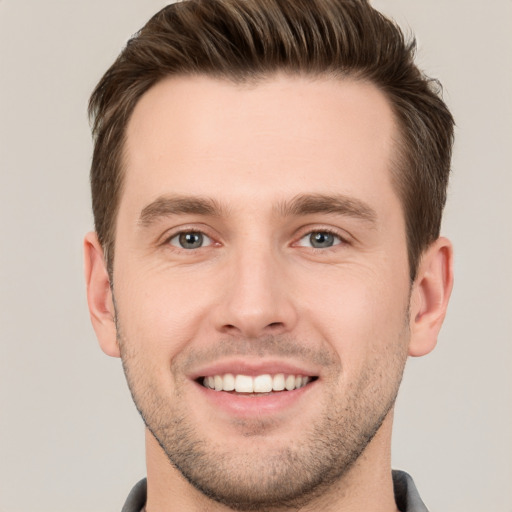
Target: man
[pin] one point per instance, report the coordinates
(268, 181)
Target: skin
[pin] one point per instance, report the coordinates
(256, 294)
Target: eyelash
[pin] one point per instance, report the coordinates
(341, 240)
(185, 232)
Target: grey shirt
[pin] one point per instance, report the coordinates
(406, 495)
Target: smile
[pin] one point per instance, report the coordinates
(265, 383)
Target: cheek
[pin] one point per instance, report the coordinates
(157, 313)
(360, 315)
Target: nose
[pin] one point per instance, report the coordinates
(258, 297)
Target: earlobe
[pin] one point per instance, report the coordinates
(99, 296)
(430, 295)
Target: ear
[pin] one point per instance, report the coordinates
(99, 295)
(430, 295)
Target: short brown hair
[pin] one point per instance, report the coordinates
(248, 40)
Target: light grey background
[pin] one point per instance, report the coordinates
(70, 439)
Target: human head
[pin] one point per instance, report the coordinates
(259, 237)
(251, 40)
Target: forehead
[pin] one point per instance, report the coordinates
(283, 135)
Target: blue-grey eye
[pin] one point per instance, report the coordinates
(319, 240)
(190, 240)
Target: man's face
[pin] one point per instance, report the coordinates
(259, 239)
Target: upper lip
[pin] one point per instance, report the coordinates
(244, 366)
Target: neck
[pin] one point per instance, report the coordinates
(367, 486)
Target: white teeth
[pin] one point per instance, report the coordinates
(244, 384)
(228, 382)
(260, 384)
(263, 384)
(278, 382)
(218, 383)
(289, 383)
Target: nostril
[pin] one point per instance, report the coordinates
(252, 330)
(231, 330)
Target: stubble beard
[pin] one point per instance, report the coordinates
(284, 478)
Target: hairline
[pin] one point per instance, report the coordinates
(398, 160)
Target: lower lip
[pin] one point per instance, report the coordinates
(246, 406)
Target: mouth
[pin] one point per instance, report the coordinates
(255, 389)
(257, 385)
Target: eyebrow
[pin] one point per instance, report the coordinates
(337, 204)
(301, 205)
(166, 206)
